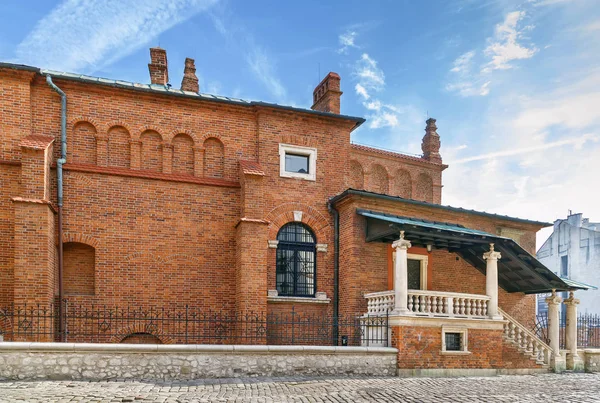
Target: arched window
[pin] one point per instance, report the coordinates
(296, 261)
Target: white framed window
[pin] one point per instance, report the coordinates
(297, 162)
(455, 340)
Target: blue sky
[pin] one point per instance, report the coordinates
(514, 85)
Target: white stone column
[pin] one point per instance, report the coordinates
(574, 362)
(491, 281)
(556, 361)
(401, 276)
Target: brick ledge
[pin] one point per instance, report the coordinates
(150, 175)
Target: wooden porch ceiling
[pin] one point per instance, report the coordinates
(518, 270)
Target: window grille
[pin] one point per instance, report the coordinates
(296, 261)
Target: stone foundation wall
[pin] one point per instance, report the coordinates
(185, 362)
(591, 360)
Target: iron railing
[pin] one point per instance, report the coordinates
(188, 325)
(588, 330)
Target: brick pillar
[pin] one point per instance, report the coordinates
(251, 245)
(167, 157)
(198, 161)
(135, 147)
(102, 150)
(34, 238)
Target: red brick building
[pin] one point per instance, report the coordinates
(172, 197)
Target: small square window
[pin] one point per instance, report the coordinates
(453, 342)
(297, 162)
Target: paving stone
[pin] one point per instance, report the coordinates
(526, 388)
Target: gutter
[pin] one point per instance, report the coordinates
(59, 187)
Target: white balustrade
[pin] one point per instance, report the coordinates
(432, 303)
(525, 340)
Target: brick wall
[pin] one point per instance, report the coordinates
(153, 184)
(421, 348)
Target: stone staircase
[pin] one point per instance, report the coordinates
(525, 341)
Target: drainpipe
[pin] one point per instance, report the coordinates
(59, 187)
(336, 269)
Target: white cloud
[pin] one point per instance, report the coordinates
(347, 41)
(462, 64)
(264, 69)
(260, 62)
(369, 75)
(591, 27)
(539, 157)
(362, 91)
(90, 34)
(504, 47)
(469, 88)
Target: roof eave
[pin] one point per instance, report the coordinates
(350, 191)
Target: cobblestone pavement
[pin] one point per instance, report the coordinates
(528, 388)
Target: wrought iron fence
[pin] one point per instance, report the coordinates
(588, 330)
(187, 325)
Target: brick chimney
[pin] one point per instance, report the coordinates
(159, 71)
(431, 143)
(190, 81)
(326, 96)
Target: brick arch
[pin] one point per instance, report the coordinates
(147, 128)
(209, 135)
(78, 119)
(402, 184)
(378, 179)
(357, 175)
(119, 123)
(145, 328)
(80, 238)
(170, 136)
(424, 188)
(214, 157)
(119, 147)
(151, 148)
(143, 256)
(81, 141)
(183, 154)
(173, 257)
(284, 213)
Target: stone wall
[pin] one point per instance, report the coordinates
(184, 362)
(591, 360)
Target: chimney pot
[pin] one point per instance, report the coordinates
(158, 68)
(190, 80)
(326, 96)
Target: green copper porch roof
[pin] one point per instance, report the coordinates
(518, 270)
(578, 284)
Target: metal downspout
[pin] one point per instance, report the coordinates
(59, 187)
(336, 270)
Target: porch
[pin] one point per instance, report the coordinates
(411, 305)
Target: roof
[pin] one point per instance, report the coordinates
(251, 168)
(518, 270)
(578, 284)
(350, 191)
(362, 147)
(167, 90)
(36, 142)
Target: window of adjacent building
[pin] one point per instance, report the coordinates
(297, 162)
(454, 339)
(296, 261)
(564, 266)
(542, 306)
